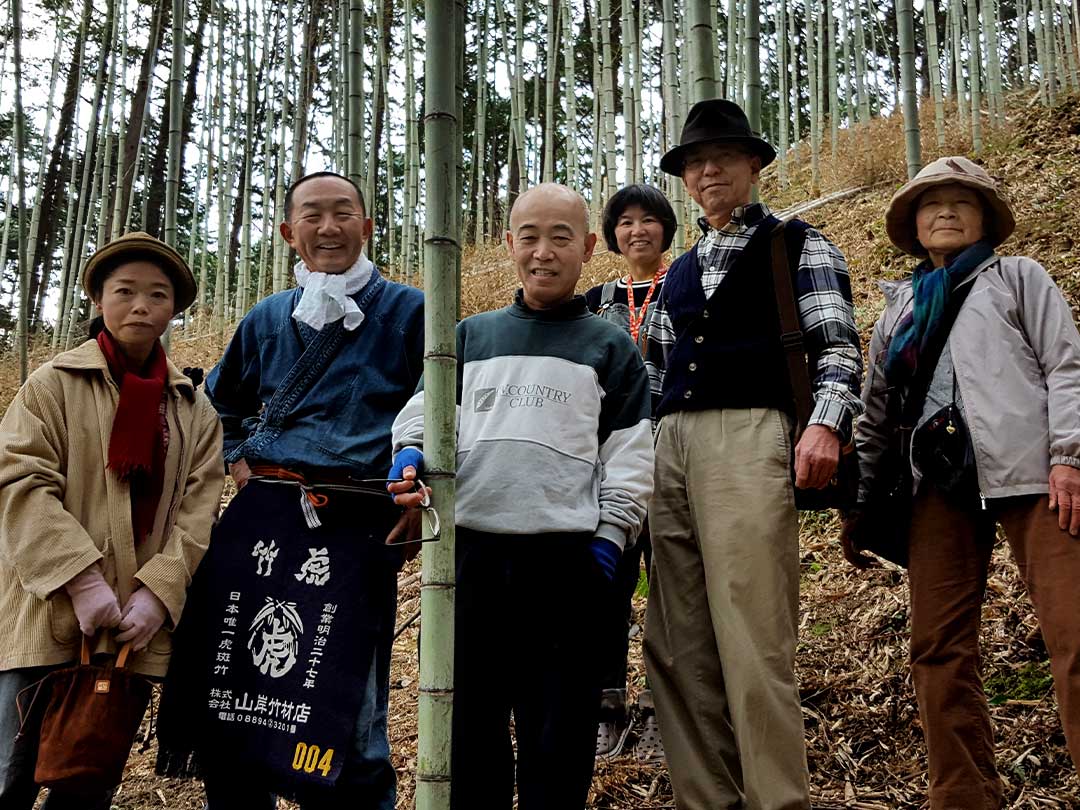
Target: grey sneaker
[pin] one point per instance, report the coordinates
(649, 747)
(610, 738)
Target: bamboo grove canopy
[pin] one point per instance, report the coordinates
(188, 118)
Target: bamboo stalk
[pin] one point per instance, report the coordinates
(596, 181)
(117, 212)
(673, 120)
(1050, 66)
(752, 69)
(35, 216)
(441, 284)
(731, 89)
(551, 52)
(702, 41)
(20, 150)
(955, 6)
(107, 168)
(356, 90)
(782, 70)
(834, 117)
(480, 129)
(176, 118)
(812, 73)
(411, 158)
(860, 66)
(905, 27)
(973, 76)
(845, 38)
(933, 70)
(606, 71)
(572, 178)
(625, 8)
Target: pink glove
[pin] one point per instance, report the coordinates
(95, 604)
(143, 616)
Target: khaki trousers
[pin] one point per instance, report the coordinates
(950, 556)
(723, 611)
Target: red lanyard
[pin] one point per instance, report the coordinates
(635, 319)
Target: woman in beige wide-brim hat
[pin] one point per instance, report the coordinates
(110, 480)
(973, 406)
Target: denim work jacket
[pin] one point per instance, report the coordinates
(301, 399)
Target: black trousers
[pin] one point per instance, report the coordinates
(526, 645)
(615, 615)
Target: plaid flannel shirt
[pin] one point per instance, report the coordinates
(825, 309)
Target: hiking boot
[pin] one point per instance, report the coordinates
(649, 747)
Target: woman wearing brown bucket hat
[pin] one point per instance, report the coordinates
(972, 420)
(110, 477)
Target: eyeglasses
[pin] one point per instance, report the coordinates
(720, 156)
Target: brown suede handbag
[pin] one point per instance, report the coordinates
(89, 723)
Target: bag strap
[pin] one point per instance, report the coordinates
(24, 713)
(607, 294)
(791, 335)
(121, 657)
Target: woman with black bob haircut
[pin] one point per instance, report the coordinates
(639, 224)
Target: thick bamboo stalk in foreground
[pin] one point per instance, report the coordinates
(442, 244)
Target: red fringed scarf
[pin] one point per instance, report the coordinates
(137, 441)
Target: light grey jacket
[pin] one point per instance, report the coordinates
(1016, 353)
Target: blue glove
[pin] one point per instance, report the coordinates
(606, 555)
(409, 457)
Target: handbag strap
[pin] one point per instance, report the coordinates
(87, 644)
(791, 334)
(122, 656)
(25, 713)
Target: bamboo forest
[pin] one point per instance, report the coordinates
(190, 119)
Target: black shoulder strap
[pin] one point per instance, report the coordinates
(791, 331)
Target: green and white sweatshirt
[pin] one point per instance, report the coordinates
(554, 432)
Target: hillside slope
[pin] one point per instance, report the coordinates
(862, 730)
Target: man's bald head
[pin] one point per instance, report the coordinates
(549, 240)
(573, 205)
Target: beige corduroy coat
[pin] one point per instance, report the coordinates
(61, 510)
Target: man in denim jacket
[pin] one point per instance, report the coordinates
(309, 387)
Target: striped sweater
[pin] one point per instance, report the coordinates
(553, 424)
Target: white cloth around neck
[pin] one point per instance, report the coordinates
(327, 296)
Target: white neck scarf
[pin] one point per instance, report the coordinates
(326, 297)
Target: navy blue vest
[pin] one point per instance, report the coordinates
(728, 352)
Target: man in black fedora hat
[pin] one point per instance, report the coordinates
(723, 606)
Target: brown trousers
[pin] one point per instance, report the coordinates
(950, 557)
(723, 611)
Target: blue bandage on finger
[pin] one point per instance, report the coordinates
(409, 457)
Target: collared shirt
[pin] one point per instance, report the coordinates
(825, 313)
